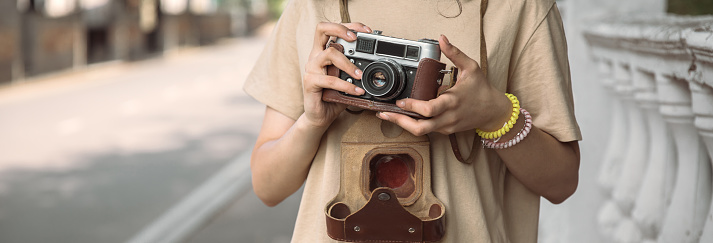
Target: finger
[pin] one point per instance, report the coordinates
(358, 27)
(317, 82)
(428, 108)
(445, 123)
(332, 56)
(459, 59)
(325, 30)
(415, 127)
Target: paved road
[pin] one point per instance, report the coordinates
(95, 155)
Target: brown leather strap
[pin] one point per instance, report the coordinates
(483, 49)
(484, 68)
(344, 11)
(456, 150)
(452, 137)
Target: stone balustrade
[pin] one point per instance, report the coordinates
(656, 173)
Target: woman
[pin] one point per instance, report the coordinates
(495, 198)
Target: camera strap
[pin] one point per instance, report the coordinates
(453, 72)
(344, 11)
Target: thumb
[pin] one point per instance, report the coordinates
(459, 59)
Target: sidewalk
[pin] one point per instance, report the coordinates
(96, 155)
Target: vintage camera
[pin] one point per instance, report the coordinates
(393, 69)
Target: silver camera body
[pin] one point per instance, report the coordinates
(389, 64)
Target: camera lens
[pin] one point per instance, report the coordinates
(384, 79)
(378, 79)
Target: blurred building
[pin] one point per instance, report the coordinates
(42, 36)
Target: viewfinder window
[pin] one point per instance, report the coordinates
(412, 53)
(391, 49)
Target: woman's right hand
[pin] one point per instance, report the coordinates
(318, 112)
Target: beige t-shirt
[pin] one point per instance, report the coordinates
(527, 56)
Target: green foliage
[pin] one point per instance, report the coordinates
(275, 8)
(690, 7)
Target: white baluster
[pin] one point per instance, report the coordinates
(616, 149)
(609, 218)
(655, 193)
(637, 157)
(692, 191)
(634, 163)
(610, 215)
(703, 108)
(611, 168)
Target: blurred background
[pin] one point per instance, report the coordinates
(115, 113)
(125, 120)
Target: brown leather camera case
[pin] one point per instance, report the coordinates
(425, 87)
(367, 210)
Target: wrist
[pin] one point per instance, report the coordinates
(501, 113)
(525, 126)
(305, 124)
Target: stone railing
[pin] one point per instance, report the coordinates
(656, 173)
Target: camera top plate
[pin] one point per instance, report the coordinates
(373, 46)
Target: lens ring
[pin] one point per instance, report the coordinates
(384, 79)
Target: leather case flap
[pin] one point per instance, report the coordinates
(383, 218)
(428, 78)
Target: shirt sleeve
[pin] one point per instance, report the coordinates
(541, 80)
(276, 79)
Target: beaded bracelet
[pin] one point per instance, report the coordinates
(519, 137)
(508, 125)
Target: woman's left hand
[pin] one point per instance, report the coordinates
(543, 164)
(471, 103)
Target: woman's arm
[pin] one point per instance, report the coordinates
(282, 155)
(285, 147)
(543, 164)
